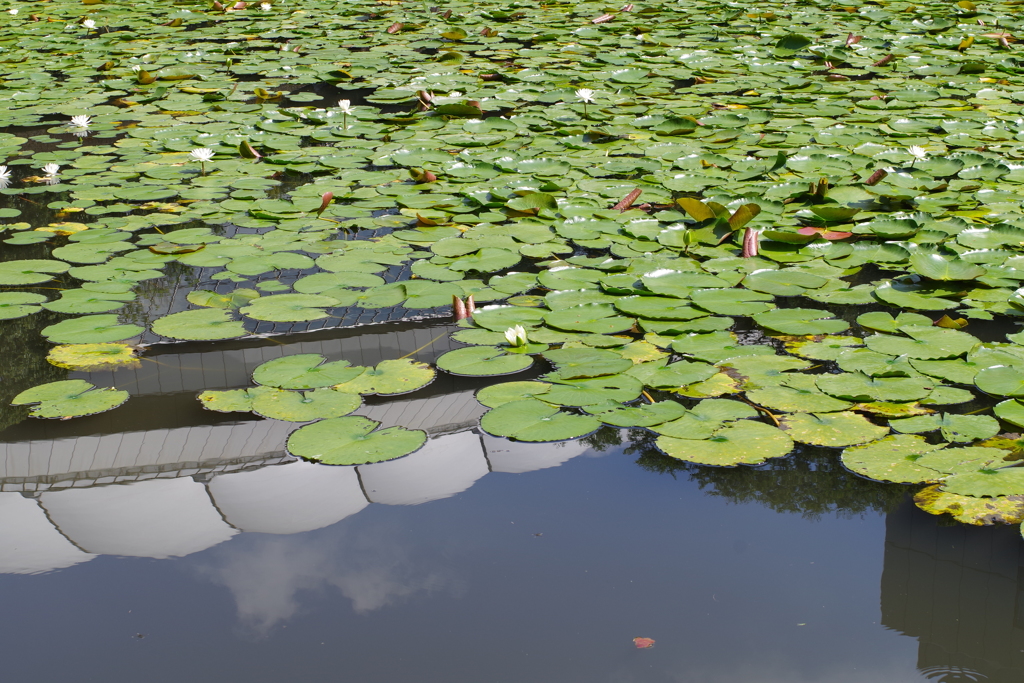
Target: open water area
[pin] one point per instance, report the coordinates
(166, 541)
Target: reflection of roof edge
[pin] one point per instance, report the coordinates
(120, 475)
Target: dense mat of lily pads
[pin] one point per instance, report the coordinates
(743, 229)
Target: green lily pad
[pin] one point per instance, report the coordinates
(645, 415)
(953, 427)
(289, 307)
(533, 420)
(717, 346)
(353, 440)
(506, 392)
(594, 318)
(801, 321)
(857, 386)
(883, 322)
(797, 396)
(822, 348)
(304, 406)
(500, 318)
(583, 392)
(746, 442)
(1001, 380)
(987, 483)
(1011, 411)
(19, 304)
(230, 401)
(305, 371)
(704, 419)
(30, 271)
(90, 329)
(672, 375)
(207, 324)
(69, 398)
(831, 429)
(926, 343)
(575, 363)
(390, 378)
(732, 301)
(482, 361)
(894, 459)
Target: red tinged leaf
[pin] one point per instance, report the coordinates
(643, 643)
(825, 233)
(395, 27)
(240, 5)
(627, 8)
(628, 200)
(470, 306)
(325, 200)
(218, 6)
(447, 15)
(603, 19)
(852, 40)
(884, 60)
(247, 151)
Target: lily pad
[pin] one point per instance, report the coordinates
(801, 321)
(390, 378)
(746, 442)
(207, 324)
(506, 392)
(305, 371)
(90, 357)
(482, 361)
(894, 459)
(953, 427)
(69, 398)
(831, 429)
(533, 420)
(304, 406)
(90, 329)
(353, 440)
(19, 304)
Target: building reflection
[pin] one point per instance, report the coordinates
(960, 591)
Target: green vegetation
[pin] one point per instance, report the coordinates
(744, 231)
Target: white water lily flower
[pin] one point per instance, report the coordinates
(81, 121)
(136, 68)
(5, 178)
(202, 154)
(89, 23)
(51, 169)
(266, 6)
(346, 107)
(917, 152)
(585, 94)
(13, 11)
(516, 336)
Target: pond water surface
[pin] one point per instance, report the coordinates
(164, 541)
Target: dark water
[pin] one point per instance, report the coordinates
(160, 542)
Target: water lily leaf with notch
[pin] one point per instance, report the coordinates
(912, 296)
(701, 421)
(500, 318)
(801, 321)
(533, 203)
(90, 329)
(230, 401)
(487, 260)
(857, 386)
(883, 322)
(92, 356)
(289, 307)
(304, 406)
(69, 398)
(953, 427)
(594, 318)
(682, 284)
(506, 392)
(971, 510)
(19, 304)
(957, 371)
(987, 483)
(582, 392)
(207, 324)
(944, 396)
(672, 376)
(390, 378)
(937, 267)
(658, 308)
(894, 459)
(533, 420)
(574, 363)
(875, 364)
(822, 348)
(783, 282)
(483, 361)
(234, 299)
(353, 440)
(732, 301)
(30, 271)
(758, 371)
(925, 343)
(797, 394)
(305, 371)
(717, 346)
(1001, 380)
(833, 430)
(646, 415)
(1011, 411)
(744, 442)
